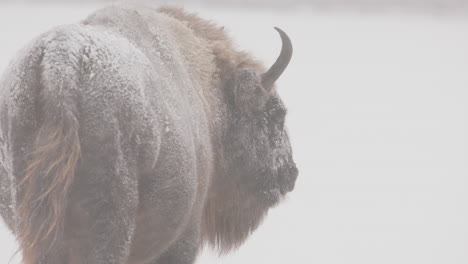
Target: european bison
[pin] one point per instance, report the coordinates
(137, 135)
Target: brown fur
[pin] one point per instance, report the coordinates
(227, 58)
(53, 161)
(230, 218)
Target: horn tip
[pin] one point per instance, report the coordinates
(278, 29)
(283, 35)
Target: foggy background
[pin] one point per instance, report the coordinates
(377, 94)
(369, 5)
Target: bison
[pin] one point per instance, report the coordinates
(138, 135)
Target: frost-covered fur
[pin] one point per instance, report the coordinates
(135, 136)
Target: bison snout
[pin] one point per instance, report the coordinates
(288, 179)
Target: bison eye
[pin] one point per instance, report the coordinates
(275, 110)
(277, 114)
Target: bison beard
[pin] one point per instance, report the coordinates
(137, 135)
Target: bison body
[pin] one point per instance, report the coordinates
(136, 135)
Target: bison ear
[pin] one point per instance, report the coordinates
(248, 92)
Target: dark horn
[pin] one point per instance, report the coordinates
(270, 77)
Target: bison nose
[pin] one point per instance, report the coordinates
(294, 174)
(289, 179)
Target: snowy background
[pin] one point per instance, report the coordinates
(378, 118)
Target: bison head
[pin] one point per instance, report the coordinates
(259, 169)
(256, 140)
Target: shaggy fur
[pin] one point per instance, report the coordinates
(45, 187)
(136, 136)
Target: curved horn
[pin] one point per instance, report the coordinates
(270, 77)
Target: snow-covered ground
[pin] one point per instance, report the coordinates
(378, 117)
